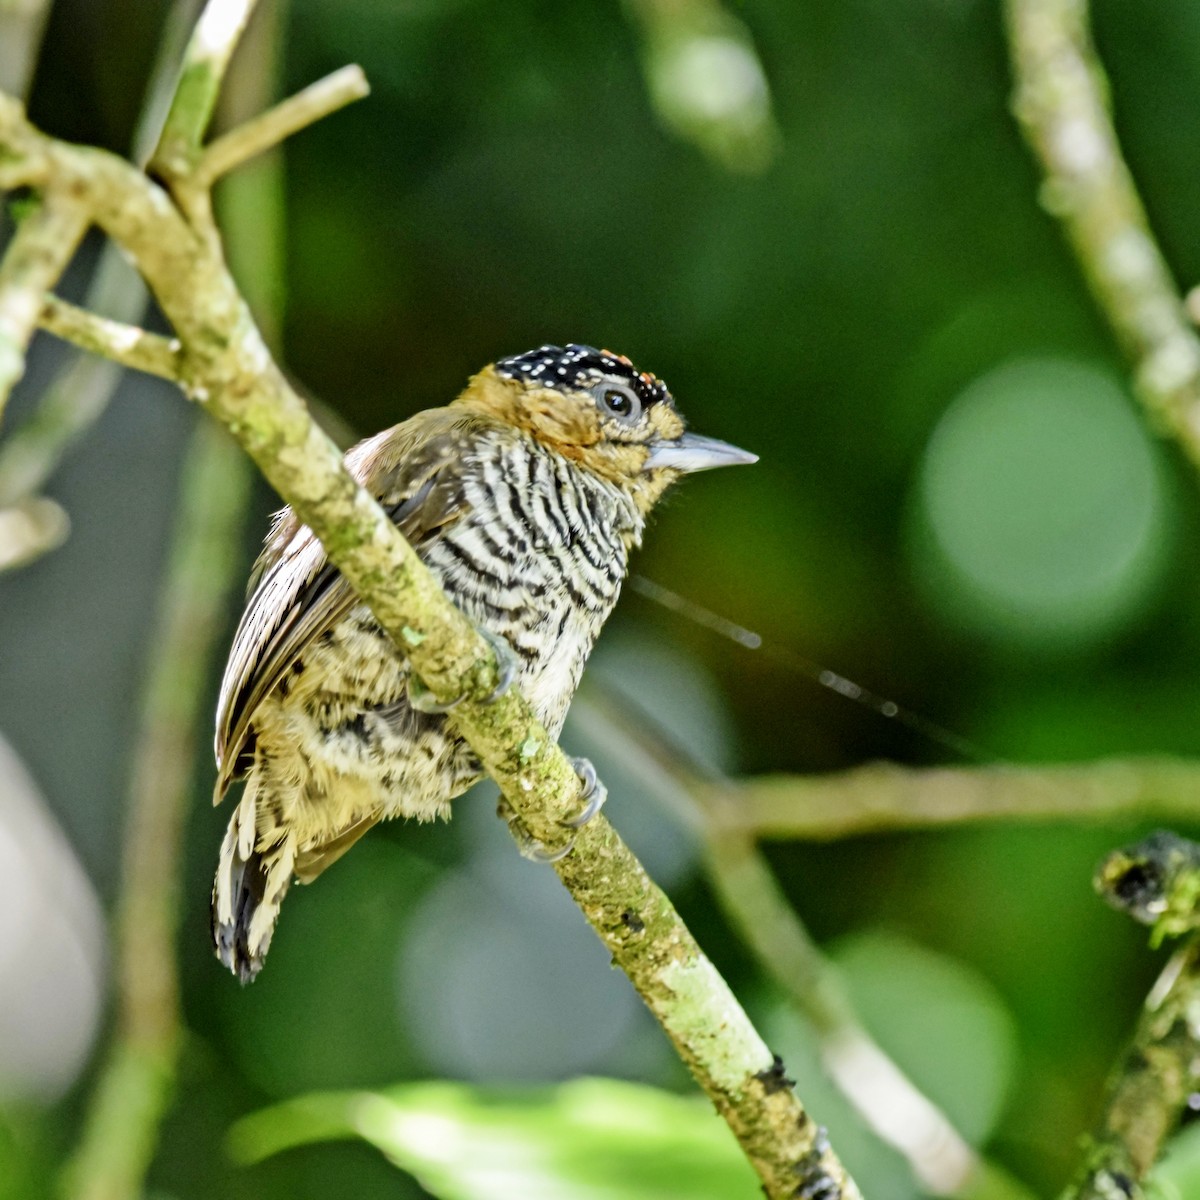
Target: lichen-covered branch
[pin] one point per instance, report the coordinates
(226, 368)
(129, 345)
(1149, 1088)
(45, 241)
(1157, 882)
(1061, 100)
(887, 796)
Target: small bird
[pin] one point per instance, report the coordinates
(525, 497)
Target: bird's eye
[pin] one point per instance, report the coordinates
(620, 402)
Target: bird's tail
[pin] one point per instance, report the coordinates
(253, 873)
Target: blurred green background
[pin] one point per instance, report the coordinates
(818, 224)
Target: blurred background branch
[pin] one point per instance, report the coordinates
(706, 80)
(71, 403)
(883, 796)
(21, 25)
(137, 1083)
(1062, 101)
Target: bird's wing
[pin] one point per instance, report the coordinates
(416, 471)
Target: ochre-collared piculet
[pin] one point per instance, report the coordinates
(525, 497)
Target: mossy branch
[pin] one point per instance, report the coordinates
(226, 368)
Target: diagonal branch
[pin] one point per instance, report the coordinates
(226, 368)
(889, 1103)
(318, 100)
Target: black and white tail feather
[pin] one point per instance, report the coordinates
(249, 888)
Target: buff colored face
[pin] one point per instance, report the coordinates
(602, 425)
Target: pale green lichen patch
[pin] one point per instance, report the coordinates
(703, 1008)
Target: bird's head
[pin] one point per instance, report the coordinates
(597, 409)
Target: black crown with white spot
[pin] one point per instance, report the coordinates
(575, 366)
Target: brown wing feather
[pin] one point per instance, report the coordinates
(415, 471)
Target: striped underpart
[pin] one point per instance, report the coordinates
(538, 558)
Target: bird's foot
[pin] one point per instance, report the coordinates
(591, 791)
(423, 700)
(507, 663)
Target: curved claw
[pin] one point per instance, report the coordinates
(527, 845)
(507, 662)
(537, 852)
(591, 790)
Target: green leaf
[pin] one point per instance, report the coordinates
(591, 1139)
(1177, 1177)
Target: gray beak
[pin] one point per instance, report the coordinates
(695, 453)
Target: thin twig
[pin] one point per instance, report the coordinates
(128, 345)
(886, 1099)
(887, 796)
(229, 371)
(43, 245)
(205, 61)
(318, 100)
(137, 1083)
(1061, 100)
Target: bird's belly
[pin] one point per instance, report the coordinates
(548, 612)
(340, 739)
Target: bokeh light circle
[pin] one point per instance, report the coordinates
(1041, 511)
